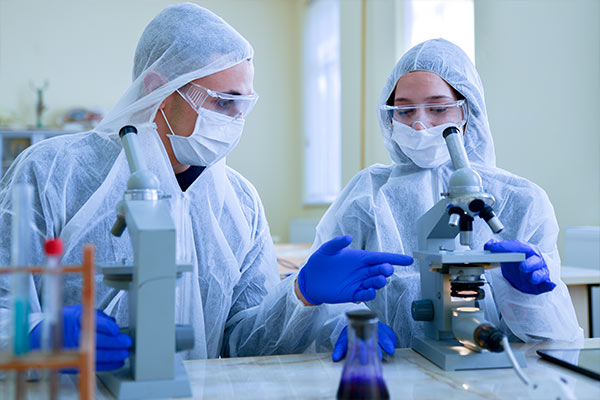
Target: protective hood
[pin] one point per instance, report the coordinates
(452, 64)
(182, 43)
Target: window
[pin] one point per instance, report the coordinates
(322, 102)
(452, 20)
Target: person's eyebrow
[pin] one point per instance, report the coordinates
(234, 92)
(430, 98)
(439, 97)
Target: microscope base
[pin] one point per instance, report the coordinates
(122, 386)
(451, 355)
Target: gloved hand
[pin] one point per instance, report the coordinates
(385, 336)
(530, 276)
(335, 274)
(111, 346)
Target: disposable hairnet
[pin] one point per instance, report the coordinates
(182, 43)
(381, 205)
(233, 298)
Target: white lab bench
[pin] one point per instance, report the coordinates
(314, 376)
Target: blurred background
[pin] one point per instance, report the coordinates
(320, 67)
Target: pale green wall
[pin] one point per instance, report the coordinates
(383, 37)
(540, 66)
(381, 44)
(85, 49)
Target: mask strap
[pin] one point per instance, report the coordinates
(167, 121)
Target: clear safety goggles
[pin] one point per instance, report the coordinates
(231, 105)
(429, 114)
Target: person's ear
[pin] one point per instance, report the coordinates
(152, 81)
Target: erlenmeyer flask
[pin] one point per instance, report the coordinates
(362, 377)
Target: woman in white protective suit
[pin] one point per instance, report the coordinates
(192, 87)
(381, 204)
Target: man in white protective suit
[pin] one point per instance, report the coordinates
(192, 89)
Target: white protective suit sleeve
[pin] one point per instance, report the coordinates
(233, 297)
(381, 205)
(262, 307)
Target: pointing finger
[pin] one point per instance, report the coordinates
(373, 257)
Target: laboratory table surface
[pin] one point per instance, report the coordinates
(314, 376)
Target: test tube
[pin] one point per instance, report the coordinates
(52, 327)
(52, 297)
(22, 199)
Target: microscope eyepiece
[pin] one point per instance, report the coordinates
(450, 130)
(127, 129)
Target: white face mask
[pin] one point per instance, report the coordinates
(214, 136)
(426, 148)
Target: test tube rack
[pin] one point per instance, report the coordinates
(83, 358)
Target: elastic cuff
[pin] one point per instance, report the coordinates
(303, 289)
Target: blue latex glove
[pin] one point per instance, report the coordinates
(111, 346)
(335, 274)
(385, 335)
(530, 276)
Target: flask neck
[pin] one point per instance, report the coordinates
(363, 330)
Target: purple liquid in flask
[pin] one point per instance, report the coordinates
(362, 377)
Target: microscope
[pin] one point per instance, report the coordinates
(153, 369)
(457, 336)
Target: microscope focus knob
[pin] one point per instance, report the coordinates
(119, 226)
(422, 310)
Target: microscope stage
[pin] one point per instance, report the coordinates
(468, 257)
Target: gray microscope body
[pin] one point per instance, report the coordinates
(452, 275)
(153, 369)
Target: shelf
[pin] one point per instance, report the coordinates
(21, 139)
